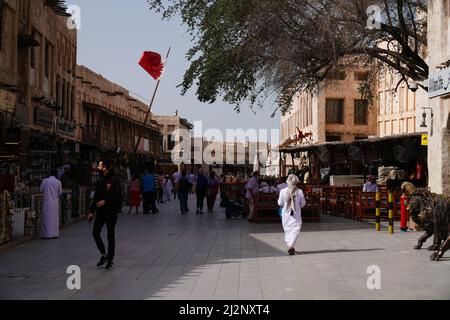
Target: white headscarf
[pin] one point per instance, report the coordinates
(292, 182)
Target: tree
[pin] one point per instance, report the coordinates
(248, 50)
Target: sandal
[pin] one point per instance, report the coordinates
(291, 251)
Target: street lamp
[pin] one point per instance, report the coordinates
(424, 119)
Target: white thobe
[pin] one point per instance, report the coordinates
(292, 224)
(167, 190)
(52, 190)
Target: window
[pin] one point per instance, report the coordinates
(332, 137)
(33, 52)
(335, 111)
(171, 142)
(63, 99)
(58, 91)
(361, 111)
(336, 75)
(47, 59)
(381, 103)
(361, 76)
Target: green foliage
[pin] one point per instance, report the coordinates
(245, 51)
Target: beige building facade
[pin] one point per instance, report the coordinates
(336, 112)
(439, 94)
(111, 118)
(400, 110)
(168, 125)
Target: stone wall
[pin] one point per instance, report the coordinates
(439, 141)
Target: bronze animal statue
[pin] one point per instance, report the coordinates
(441, 212)
(433, 213)
(436, 256)
(420, 209)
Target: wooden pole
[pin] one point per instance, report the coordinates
(148, 112)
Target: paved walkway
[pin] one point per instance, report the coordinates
(170, 256)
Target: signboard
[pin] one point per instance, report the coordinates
(43, 117)
(439, 83)
(144, 144)
(66, 127)
(7, 101)
(425, 139)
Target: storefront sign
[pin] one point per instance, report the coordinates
(43, 117)
(439, 83)
(144, 144)
(7, 101)
(425, 139)
(66, 127)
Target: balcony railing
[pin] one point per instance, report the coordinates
(110, 139)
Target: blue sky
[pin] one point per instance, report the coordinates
(113, 35)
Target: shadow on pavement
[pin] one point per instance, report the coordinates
(336, 251)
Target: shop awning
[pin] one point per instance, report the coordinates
(311, 147)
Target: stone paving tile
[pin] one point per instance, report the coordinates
(176, 257)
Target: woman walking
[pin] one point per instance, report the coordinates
(213, 190)
(292, 200)
(135, 194)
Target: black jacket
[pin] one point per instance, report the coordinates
(109, 189)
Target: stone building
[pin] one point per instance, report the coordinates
(112, 120)
(37, 77)
(400, 109)
(168, 126)
(439, 94)
(337, 112)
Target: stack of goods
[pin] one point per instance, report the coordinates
(6, 215)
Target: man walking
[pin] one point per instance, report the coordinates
(200, 190)
(149, 192)
(52, 190)
(176, 177)
(107, 203)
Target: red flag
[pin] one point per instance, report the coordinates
(152, 63)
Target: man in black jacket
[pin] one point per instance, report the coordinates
(107, 203)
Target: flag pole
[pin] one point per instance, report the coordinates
(148, 111)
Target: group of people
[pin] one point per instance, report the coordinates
(203, 187)
(153, 188)
(107, 202)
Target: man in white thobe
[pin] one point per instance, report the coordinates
(52, 190)
(292, 200)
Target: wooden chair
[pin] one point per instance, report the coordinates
(266, 207)
(313, 208)
(365, 206)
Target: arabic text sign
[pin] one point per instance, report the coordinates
(439, 83)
